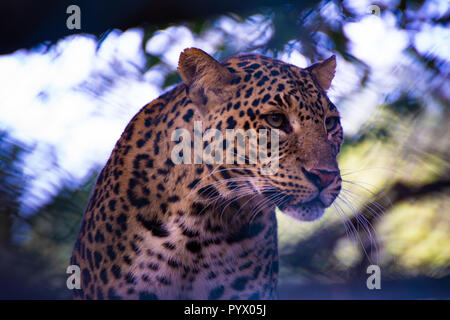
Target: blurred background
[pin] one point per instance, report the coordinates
(66, 96)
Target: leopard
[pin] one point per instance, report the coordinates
(158, 229)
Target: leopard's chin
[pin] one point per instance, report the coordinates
(308, 211)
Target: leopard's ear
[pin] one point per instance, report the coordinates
(324, 71)
(205, 78)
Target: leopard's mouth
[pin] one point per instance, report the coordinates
(314, 201)
(306, 211)
(309, 210)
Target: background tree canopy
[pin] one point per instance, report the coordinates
(66, 95)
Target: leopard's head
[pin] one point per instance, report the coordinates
(253, 92)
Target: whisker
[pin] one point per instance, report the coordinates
(377, 206)
(358, 184)
(367, 225)
(359, 222)
(396, 171)
(347, 222)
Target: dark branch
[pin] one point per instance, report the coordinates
(26, 23)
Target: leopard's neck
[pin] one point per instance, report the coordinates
(200, 250)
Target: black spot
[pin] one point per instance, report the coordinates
(99, 237)
(231, 123)
(129, 132)
(111, 253)
(239, 283)
(187, 117)
(255, 103)
(160, 187)
(127, 260)
(246, 232)
(245, 265)
(251, 114)
(138, 202)
(198, 209)
(162, 172)
(194, 246)
(256, 272)
(116, 188)
(262, 81)
(104, 276)
(254, 296)
(138, 159)
(112, 205)
(145, 295)
(173, 199)
(112, 294)
(265, 98)
(268, 253)
(135, 247)
(190, 233)
(279, 100)
(89, 257)
(213, 228)
(115, 269)
(173, 263)
(155, 143)
(163, 280)
(193, 183)
(100, 294)
(129, 278)
(169, 245)
(169, 163)
(243, 64)
(153, 266)
(216, 293)
(253, 66)
(97, 259)
(155, 226)
(140, 143)
(86, 276)
(200, 170)
(224, 173)
(209, 192)
(122, 221)
(248, 93)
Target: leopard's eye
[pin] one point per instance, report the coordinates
(276, 120)
(331, 123)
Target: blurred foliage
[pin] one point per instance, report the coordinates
(34, 249)
(394, 207)
(13, 179)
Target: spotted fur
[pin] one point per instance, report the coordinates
(156, 230)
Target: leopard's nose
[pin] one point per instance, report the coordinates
(320, 178)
